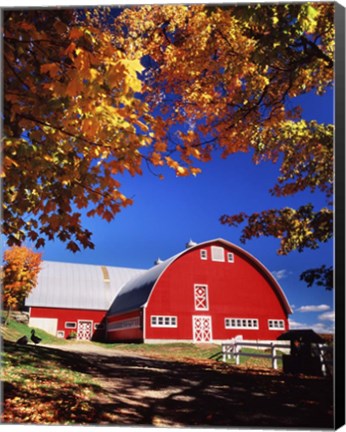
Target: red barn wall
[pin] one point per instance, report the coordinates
(72, 315)
(236, 290)
(124, 327)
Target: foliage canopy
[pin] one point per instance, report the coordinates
(91, 94)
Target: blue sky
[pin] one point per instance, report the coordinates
(167, 213)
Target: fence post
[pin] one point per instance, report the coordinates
(237, 356)
(274, 359)
(322, 359)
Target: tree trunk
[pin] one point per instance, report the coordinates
(7, 316)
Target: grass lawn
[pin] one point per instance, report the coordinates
(195, 352)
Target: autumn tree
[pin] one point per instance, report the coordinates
(91, 94)
(232, 74)
(19, 276)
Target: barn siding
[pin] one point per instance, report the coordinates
(71, 315)
(127, 326)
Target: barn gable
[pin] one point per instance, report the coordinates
(136, 293)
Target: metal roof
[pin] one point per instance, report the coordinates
(79, 286)
(136, 292)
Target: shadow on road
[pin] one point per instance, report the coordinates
(138, 391)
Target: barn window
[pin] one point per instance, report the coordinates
(60, 334)
(70, 324)
(274, 324)
(240, 323)
(163, 321)
(217, 253)
(203, 254)
(201, 297)
(230, 257)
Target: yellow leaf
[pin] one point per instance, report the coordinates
(181, 171)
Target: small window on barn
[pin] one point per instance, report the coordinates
(230, 257)
(217, 253)
(276, 324)
(70, 324)
(163, 321)
(201, 297)
(203, 254)
(60, 334)
(237, 323)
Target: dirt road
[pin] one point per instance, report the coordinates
(145, 391)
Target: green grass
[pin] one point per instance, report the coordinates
(14, 330)
(170, 350)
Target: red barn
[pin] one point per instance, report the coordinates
(75, 298)
(210, 292)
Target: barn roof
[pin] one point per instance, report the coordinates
(135, 293)
(79, 286)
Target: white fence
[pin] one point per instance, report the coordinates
(232, 349)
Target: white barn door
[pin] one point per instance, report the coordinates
(85, 330)
(202, 329)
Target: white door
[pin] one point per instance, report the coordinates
(84, 331)
(202, 329)
(50, 325)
